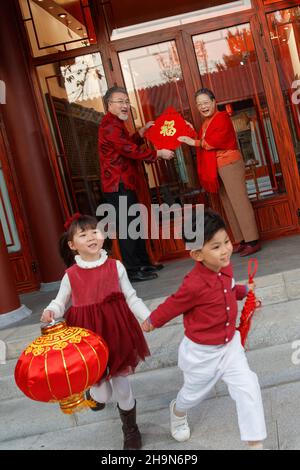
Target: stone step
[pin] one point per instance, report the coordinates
(272, 288)
(273, 365)
(34, 425)
(279, 293)
(272, 325)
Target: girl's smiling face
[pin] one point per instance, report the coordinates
(88, 243)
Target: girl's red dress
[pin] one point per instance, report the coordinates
(98, 304)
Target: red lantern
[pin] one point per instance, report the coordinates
(251, 303)
(61, 364)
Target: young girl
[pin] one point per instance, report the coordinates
(104, 301)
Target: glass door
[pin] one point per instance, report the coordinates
(284, 26)
(154, 81)
(228, 65)
(73, 91)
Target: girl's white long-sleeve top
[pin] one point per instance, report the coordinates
(62, 300)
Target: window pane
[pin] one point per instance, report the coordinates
(229, 67)
(285, 35)
(73, 91)
(57, 25)
(154, 81)
(7, 219)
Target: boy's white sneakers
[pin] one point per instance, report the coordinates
(179, 426)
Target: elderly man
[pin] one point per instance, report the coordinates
(119, 153)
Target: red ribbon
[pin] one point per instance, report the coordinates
(71, 219)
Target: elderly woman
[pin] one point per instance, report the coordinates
(221, 169)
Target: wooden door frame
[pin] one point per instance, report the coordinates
(276, 105)
(24, 260)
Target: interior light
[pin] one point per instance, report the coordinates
(62, 15)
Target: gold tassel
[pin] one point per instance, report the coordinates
(82, 406)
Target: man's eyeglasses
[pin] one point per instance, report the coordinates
(127, 103)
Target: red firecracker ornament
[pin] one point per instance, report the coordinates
(61, 364)
(251, 303)
(167, 128)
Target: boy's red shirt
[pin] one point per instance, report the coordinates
(208, 304)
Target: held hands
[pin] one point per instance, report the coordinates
(165, 154)
(142, 130)
(47, 316)
(187, 140)
(147, 326)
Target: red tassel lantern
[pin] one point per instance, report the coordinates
(61, 364)
(251, 303)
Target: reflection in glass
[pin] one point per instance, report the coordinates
(73, 91)
(7, 218)
(228, 65)
(154, 81)
(284, 28)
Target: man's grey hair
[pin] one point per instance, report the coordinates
(111, 91)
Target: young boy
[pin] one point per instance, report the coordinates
(211, 348)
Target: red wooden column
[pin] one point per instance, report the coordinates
(28, 146)
(9, 299)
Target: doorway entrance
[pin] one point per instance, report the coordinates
(154, 81)
(225, 60)
(16, 235)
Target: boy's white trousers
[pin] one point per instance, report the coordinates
(204, 365)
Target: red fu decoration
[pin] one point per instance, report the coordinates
(167, 128)
(251, 303)
(61, 364)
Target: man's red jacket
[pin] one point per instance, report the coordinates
(119, 153)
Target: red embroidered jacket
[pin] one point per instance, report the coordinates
(208, 302)
(118, 153)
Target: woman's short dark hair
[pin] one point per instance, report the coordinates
(111, 91)
(205, 91)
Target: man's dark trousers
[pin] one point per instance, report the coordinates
(134, 253)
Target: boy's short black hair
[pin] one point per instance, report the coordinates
(213, 222)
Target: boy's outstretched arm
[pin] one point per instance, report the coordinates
(177, 304)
